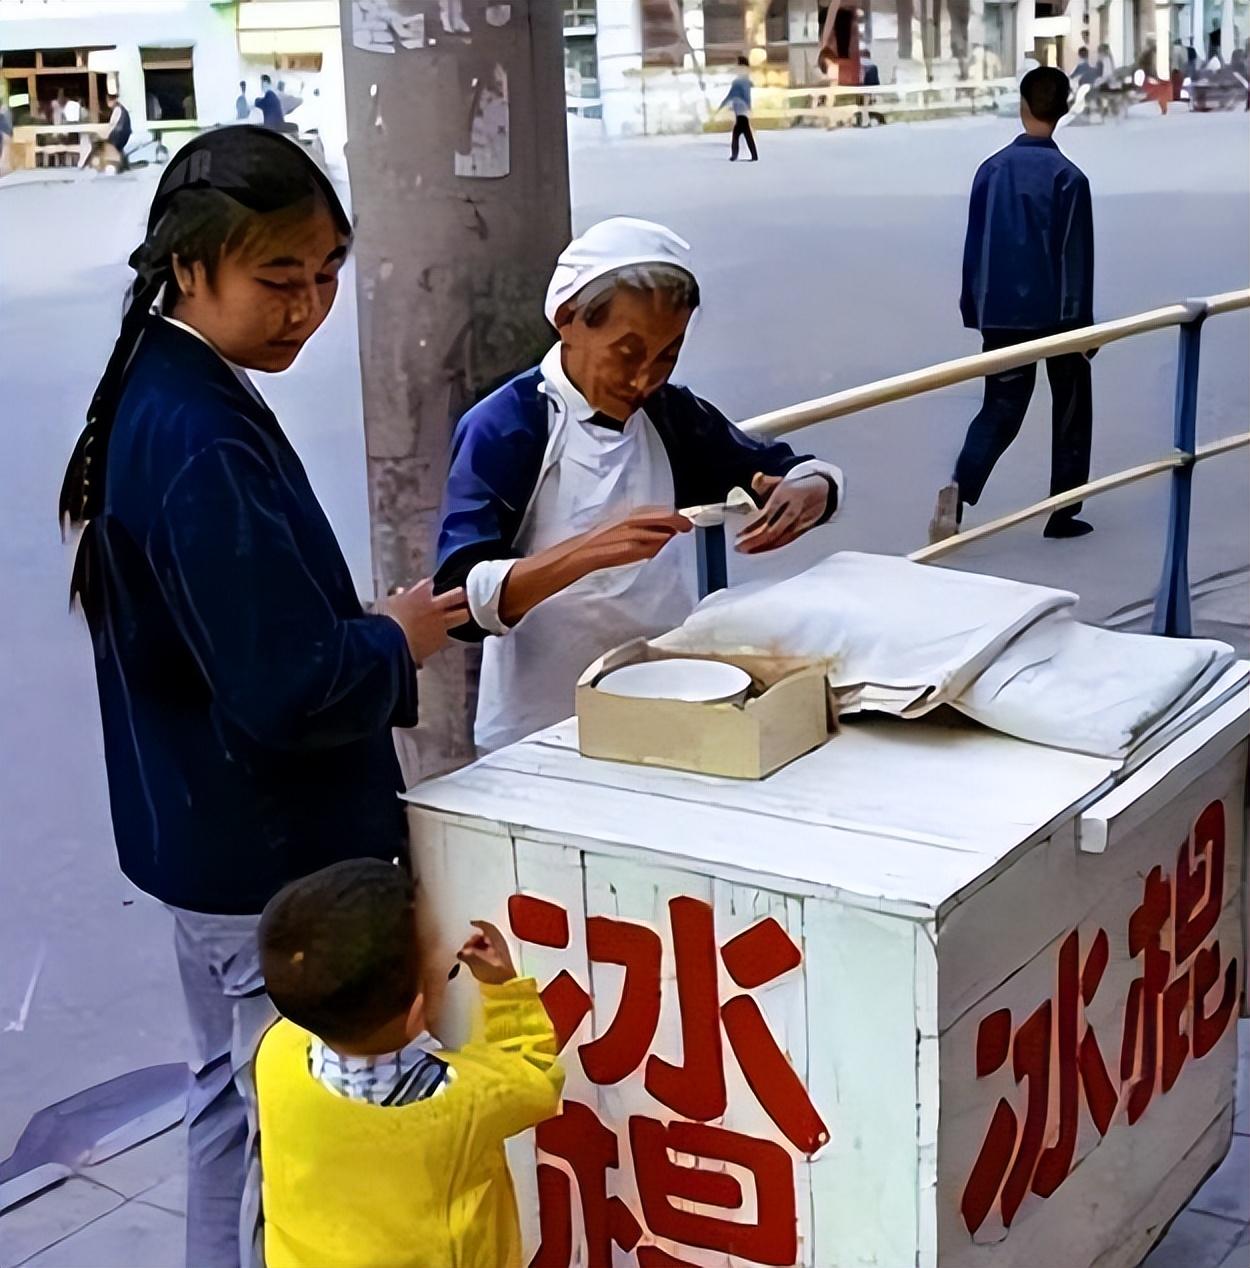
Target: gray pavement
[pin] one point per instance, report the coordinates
(832, 262)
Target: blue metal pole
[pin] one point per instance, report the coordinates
(1172, 614)
(713, 569)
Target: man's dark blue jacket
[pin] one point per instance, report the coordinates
(1029, 253)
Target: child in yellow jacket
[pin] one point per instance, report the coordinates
(378, 1149)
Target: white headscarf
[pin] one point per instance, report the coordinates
(610, 245)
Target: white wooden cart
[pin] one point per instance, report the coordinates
(927, 996)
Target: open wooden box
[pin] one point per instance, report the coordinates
(788, 712)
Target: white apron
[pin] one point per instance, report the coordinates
(590, 475)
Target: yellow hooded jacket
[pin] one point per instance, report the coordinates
(347, 1184)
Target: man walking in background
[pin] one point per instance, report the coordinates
(270, 105)
(1083, 72)
(242, 107)
(1028, 272)
(120, 128)
(738, 98)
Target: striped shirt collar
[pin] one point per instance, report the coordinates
(384, 1079)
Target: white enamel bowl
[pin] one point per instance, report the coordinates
(701, 681)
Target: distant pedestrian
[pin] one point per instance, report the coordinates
(1180, 61)
(738, 99)
(1148, 59)
(870, 77)
(119, 126)
(1028, 272)
(270, 105)
(6, 138)
(1106, 66)
(1083, 72)
(242, 107)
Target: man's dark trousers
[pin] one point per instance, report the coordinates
(742, 128)
(1007, 397)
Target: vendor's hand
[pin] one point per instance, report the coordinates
(426, 617)
(637, 537)
(791, 508)
(487, 955)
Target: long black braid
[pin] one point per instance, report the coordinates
(212, 188)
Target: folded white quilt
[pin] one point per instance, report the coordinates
(1096, 691)
(898, 637)
(903, 638)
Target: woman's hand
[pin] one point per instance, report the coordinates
(487, 955)
(638, 537)
(425, 617)
(631, 540)
(792, 507)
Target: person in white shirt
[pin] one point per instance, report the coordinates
(560, 514)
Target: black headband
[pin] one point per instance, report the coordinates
(255, 166)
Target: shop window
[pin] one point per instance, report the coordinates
(168, 83)
(308, 63)
(579, 13)
(663, 33)
(724, 31)
(777, 32)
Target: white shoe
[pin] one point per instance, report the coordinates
(945, 521)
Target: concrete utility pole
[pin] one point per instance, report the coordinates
(458, 161)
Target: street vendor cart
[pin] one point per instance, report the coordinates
(930, 994)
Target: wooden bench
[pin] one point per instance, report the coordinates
(36, 144)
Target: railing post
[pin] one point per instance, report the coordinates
(710, 549)
(1172, 614)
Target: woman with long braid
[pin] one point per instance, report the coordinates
(247, 699)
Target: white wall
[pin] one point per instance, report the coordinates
(619, 44)
(207, 28)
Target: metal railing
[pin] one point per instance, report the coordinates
(1172, 608)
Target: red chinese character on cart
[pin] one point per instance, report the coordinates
(695, 1089)
(1167, 1019)
(1012, 1159)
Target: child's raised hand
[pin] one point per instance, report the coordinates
(487, 955)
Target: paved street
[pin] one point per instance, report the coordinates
(835, 261)
(832, 262)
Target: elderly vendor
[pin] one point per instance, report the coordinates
(560, 514)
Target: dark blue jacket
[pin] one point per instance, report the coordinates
(120, 135)
(270, 107)
(1029, 253)
(247, 700)
(497, 454)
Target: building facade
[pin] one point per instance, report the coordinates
(177, 65)
(653, 66)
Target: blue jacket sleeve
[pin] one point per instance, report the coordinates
(974, 250)
(496, 455)
(715, 456)
(496, 458)
(1076, 254)
(281, 664)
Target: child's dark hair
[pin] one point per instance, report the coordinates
(211, 197)
(338, 949)
(743, 60)
(1045, 91)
